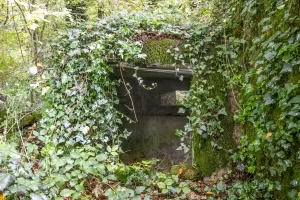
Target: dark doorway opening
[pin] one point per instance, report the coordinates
(158, 113)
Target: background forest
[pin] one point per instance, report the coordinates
(60, 135)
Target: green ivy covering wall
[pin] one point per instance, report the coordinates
(269, 88)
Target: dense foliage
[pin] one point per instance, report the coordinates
(246, 49)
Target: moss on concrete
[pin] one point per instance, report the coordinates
(156, 51)
(208, 158)
(24, 121)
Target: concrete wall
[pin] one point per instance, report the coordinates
(153, 136)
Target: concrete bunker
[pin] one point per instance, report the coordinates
(157, 110)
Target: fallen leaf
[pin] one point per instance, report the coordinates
(268, 135)
(180, 170)
(209, 193)
(298, 194)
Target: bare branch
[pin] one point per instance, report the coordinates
(128, 92)
(18, 37)
(6, 18)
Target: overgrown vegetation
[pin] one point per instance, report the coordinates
(245, 52)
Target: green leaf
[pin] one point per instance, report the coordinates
(136, 198)
(115, 148)
(79, 188)
(221, 186)
(178, 190)
(164, 191)
(36, 197)
(186, 190)
(76, 195)
(296, 99)
(251, 169)
(5, 180)
(108, 148)
(175, 178)
(161, 185)
(286, 68)
(292, 194)
(101, 157)
(66, 192)
(270, 55)
(169, 181)
(139, 189)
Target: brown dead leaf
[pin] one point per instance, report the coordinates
(298, 194)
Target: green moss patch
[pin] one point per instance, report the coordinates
(156, 51)
(207, 157)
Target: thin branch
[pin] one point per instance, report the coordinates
(20, 133)
(18, 37)
(128, 92)
(44, 25)
(7, 9)
(24, 18)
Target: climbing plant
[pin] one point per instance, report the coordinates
(246, 49)
(78, 139)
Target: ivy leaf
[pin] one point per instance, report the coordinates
(181, 111)
(101, 157)
(165, 191)
(37, 197)
(266, 28)
(115, 148)
(292, 194)
(269, 100)
(270, 55)
(186, 190)
(296, 99)
(66, 192)
(169, 182)
(5, 180)
(286, 68)
(85, 129)
(221, 186)
(136, 198)
(222, 112)
(161, 185)
(178, 189)
(79, 188)
(139, 189)
(142, 56)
